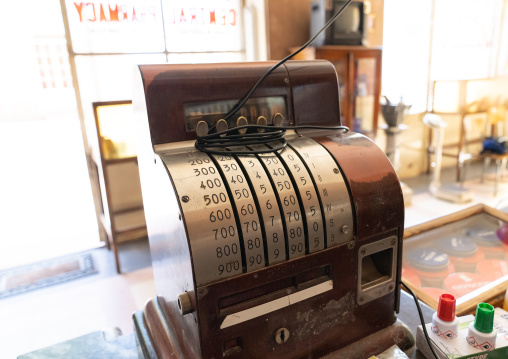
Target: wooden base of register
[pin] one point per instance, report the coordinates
(159, 342)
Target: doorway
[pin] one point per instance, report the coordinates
(46, 203)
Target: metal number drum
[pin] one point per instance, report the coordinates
(245, 212)
(331, 187)
(249, 225)
(309, 199)
(268, 207)
(288, 201)
(208, 216)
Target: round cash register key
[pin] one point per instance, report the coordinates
(278, 120)
(221, 125)
(262, 122)
(242, 121)
(202, 129)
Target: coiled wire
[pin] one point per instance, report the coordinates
(220, 143)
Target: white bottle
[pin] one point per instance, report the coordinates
(481, 333)
(444, 323)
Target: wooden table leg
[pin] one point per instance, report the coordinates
(486, 164)
(498, 172)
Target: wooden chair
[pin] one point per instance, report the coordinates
(501, 159)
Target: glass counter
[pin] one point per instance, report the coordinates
(464, 254)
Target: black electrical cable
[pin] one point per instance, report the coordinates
(211, 142)
(421, 318)
(274, 67)
(214, 142)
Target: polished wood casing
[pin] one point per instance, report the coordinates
(318, 325)
(374, 188)
(168, 88)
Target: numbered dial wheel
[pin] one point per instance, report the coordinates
(331, 187)
(208, 214)
(288, 203)
(245, 212)
(245, 208)
(268, 208)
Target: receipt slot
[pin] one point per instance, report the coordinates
(294, 253)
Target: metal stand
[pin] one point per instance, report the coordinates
(451, 192)
(393, 153)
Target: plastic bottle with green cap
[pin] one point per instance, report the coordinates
(481, 333)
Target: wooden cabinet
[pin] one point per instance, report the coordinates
(116, 174)
(359, 72)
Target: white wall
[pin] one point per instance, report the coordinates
(406, 46)
(23, 24)
(256, 30)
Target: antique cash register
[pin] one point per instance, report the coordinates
(288, 247)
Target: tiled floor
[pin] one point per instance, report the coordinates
(425, 207)
(54, 314)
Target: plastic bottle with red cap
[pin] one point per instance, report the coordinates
(444, 322)
(481, 333)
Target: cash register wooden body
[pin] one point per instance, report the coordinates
(333, 275)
